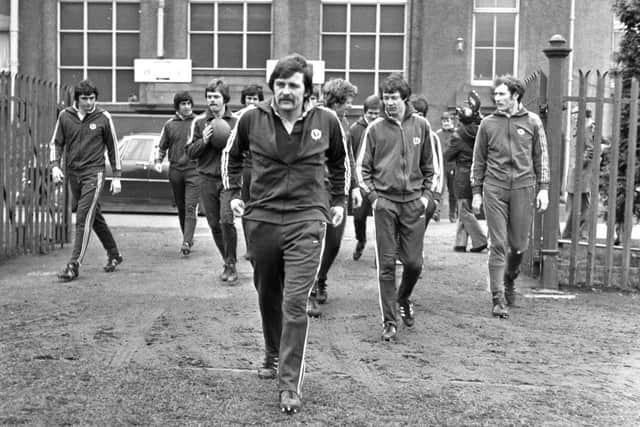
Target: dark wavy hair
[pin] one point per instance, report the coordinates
(181, 97)
(514, 85)
(217, 85)
(288, 66)
(336, 91)
(84, 87)
(251, 90)
(395, 83)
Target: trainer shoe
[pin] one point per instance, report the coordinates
(186, 248)
(499, 308)
(357, 253)
(321, 293)
(389, 332)
(232, 273)
(479, 248)
(406, 312)
(224, 276)
(460, 249)
(312, 307)
(69, 273)
(290, 402)
(112, 262)
(269, 369)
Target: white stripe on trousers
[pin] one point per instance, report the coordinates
(88, 221)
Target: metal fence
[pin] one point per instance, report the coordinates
(35, 213)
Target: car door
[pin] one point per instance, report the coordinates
(159, 188)
(135, 155)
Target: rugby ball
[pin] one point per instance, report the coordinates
(221, 132)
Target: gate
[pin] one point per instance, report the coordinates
(35, 214)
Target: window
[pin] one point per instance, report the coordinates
(98, 40)
(4, 51)
(495, 37)
(618, 34)
(231, 34)
(363, 41)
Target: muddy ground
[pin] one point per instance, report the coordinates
(163, 342)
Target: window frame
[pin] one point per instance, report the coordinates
(377, 70)
(85, 31)
(516, 39)
(215, 33)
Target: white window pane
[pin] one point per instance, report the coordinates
(201, 50)
(102, 80)
(505, 30)
(99, 50)
(201, 17)
(483, 63)
(258, 50)
(363, 52)
(128, 16)
(125, 86)
(333, 51)
(229, 17)
(334, 18)
(259, 17)
(485, 3)
(100, 17)
(230, 51)
(363, 19)
(127, 49)
(504, 62)
(71, 16)
(484, 30)
(392, 19)
(391, 52)
(366, 86)
(4, 51)
(71, 49)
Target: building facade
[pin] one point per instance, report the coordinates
(443, 47)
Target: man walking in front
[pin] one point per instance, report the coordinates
(395, 169)
(509, 160)
(82, 134)
(294, 148)
(206, 148)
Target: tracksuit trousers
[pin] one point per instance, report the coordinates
(332, 243)
(399, 229)
(185, 184)
(509, 215)
(468, 226)
(285, 260)
(360, 220)
(219, 217)
(86, 188)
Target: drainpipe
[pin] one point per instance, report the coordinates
(13, 47)
(160, 41)
(567, 132)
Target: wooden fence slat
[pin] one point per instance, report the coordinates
(631, 174)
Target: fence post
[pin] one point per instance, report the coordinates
(557, 53)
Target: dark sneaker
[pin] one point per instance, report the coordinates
(69, 273)
(357, 253)
(321, 293)
(479, 248)
(312, 307)
(389, 332)
(460, 249)
(112, 262)
(186, 248)
(406, 312)
(224, 276)
(269, 369)
(290, 402)
(499, 307)
(232, 273)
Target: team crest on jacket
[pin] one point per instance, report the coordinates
(416, 140)
(92, 126)
(316, 134)
(520, 131)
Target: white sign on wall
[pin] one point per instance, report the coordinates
(317, 66)
(162, 70)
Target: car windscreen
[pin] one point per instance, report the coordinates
(138, 149)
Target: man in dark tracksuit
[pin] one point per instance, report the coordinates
(207, 148)
(509, 159)
(82, 134)
(294, 149)
(395, 167)
(371, 110)
(444, 134)
(183, 176)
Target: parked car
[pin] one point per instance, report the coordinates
(143, 188)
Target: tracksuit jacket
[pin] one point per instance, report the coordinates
(207, 155)
(355, 134)
(510, 152)
(174, 136)
(397, 159)
(83, 142)
(291, 190)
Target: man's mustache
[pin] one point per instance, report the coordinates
(286, 98)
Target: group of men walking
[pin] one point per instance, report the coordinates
(303, 162)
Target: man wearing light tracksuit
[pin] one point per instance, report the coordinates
(395, 169)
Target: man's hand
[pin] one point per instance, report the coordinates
(356, 198)
(207, 132)
(425, 202)
(337, 215)
(374, 204)
(57, 175)
(158, 167)
(237, 206)
(542, 200)
(115, 186)
(476, 204)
